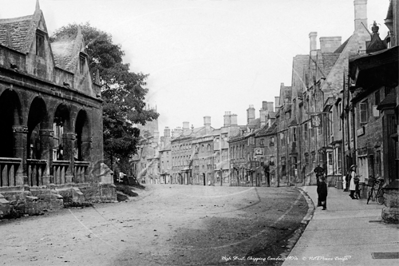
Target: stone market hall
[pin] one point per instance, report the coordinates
(51, 142)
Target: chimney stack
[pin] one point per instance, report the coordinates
(360, 15)
(227, 118)
(313, 44)
(233, 120)
(250, 114)
(329, 44)
(186, 126)
(270, 107)
(262, 117)
(264, 105)
(361, 31)
(207, 124)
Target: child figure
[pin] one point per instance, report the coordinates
(322, 191)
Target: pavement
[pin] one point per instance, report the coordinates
(349, 232)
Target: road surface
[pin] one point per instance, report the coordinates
(165, 225)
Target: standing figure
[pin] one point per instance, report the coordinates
(319, 173)
(352, 185)
(322, 191)
(345, 182)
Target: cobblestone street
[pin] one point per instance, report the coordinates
(165, 225)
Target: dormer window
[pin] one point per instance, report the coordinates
(39, 43)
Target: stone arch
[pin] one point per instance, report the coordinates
(10, 116)
(83, 137)
(37, 121)
(61, 124)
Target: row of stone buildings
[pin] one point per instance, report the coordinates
(51, 142)
(341, 109)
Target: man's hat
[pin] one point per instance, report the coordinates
(353, 166)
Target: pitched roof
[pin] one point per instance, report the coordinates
(18, 33)
(14, 33)
(342, 47)
(66, 50)
(262, 131)
(272, 129)
(329, 60)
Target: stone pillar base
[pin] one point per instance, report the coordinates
(4, 206)
(390, 215)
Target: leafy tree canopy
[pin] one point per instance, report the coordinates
(122, 91)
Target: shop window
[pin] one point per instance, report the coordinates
(330, 158)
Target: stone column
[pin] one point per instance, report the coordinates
(20, 147)
(86, 148)
(69, 144)
(46, 143)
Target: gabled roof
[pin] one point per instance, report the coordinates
(66, 50)
(19, 33)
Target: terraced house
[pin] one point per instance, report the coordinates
(51, 143)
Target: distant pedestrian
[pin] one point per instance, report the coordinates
(357, 187)
(352, 185)
(344, 183)
(319, 173)
(322, 191)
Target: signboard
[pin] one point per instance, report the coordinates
(258, 151)
(316, 121)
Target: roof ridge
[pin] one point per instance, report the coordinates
(17, 19)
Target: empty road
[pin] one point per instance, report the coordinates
(164, 225)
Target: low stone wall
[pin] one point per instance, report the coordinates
(36, 200)
(100, 193)
(16, 204)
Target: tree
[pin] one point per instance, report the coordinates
(122, 91)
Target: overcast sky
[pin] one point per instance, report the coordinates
(206, 57)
